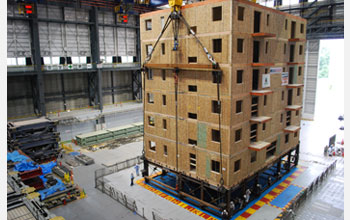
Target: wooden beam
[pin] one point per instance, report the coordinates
(296, 39)
(200, 201)
(263, 35)
(262, 64)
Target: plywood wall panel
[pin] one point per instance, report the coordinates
(200, 102)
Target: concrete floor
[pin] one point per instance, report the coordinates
(328, 198)
(98, 206)
(327, 202)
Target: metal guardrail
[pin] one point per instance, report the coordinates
(115, 194)
(303, 195)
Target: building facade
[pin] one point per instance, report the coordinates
(223, 128)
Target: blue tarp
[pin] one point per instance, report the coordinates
(43, 179)
(58, 187)
(24, 166)
(74, 153)
(48, 167)
(16, 157)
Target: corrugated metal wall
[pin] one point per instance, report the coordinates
(19, 93)
(310, 78)
(67, 40)
(18, 36)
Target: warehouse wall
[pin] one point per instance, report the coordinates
(121, 82)
(75, 88)
(66, 40)
(19, 91)
(19, 96)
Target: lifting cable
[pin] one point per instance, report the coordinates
(144, 105)
(218, 80)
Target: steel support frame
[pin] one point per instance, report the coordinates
(63, 93)
(328, 30)
(136, 75)
(136, 85)
(221, 197)
(95, 78)
(112, 87)
(38, 80)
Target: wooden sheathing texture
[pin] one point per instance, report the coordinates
(203, 159)
(200, 101)
(292, 141)
(206, 31)
(300, 78)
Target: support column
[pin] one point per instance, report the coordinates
(288, 160)
(63, 92)
(112, 85)
(38, 84)
(145, 171)
(279, 168)
(297, 151)
(138, 43)
(95, 78)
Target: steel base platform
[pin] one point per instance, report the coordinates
(275, 202)
(220, 201)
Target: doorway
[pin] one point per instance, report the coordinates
(291, 75)
(256, 51)
(292, 31)
(255, 84)
(291, 53)
(290, 96)
(257, 16)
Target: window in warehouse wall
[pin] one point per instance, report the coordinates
(75, 60)
(55, 60)
(21, 61)
(109, 59)
(47, 60)
(127, 59)
(11, 62)
(102, 59)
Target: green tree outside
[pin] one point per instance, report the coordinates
(323, 67)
